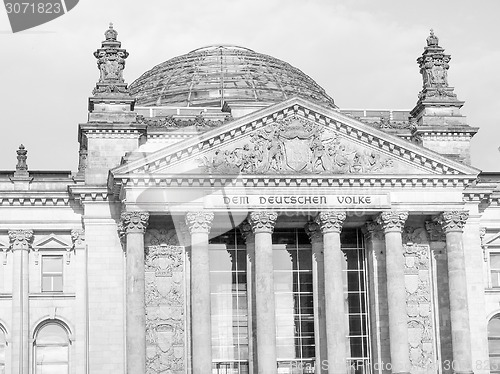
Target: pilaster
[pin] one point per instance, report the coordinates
(133, 226)
(313, 230)
(20, 244)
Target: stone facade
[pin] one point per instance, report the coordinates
(118, 257)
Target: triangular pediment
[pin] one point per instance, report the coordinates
(52, 242)
(294, 138)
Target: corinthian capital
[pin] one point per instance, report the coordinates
(134, 222)
(373, 230)
(246, 231)
(392, 221)
(200, 222)
(263, 221)
(313, 231)
(20, 239)
(453, 220)
(330, 221)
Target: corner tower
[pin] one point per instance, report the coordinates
(439, 124)
(112, 129)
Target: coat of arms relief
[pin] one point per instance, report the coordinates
(165, 317)
(295, 145)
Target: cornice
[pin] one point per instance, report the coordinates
(34, 198)
(383, 181)
(90, 193)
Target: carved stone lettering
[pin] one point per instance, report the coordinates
(165, 318)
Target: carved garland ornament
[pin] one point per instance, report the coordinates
(78, 237)
(392, 221)
(199, 222)
(262, 221)
(20, 239)
(294, 145)
(330, 221)
(453, 221)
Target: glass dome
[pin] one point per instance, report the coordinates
(211, 75)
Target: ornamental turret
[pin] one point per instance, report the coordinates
(111, 95)
(434, 65)
(439, 125)
(112, 129)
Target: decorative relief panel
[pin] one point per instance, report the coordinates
(165, 310)
(295, 145)
(419, 306)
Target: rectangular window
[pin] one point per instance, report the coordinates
(52, 273)
(495, 270)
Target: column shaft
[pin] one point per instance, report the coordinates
(262, 225)
(396, 300)
(199, 224)
(264, 303)
(336, 331)
(393, 223)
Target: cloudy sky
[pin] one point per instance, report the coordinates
(362, 52)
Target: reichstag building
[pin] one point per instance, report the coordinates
(227, 217)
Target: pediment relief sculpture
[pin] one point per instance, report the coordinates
(295, 145)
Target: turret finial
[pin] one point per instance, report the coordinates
(21, 167)
(111, 63)
(432, 40)
(434, 65)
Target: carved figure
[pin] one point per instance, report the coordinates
(294, 145)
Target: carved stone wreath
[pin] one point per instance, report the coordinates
(294, 145)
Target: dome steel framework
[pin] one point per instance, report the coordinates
(211, 75)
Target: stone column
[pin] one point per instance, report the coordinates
(133, 225)
(246, 232)
(20, 243)
(263, 225)
(453, 223)
(199, 224)
(330, 223)
(315, 236)
(392, 223)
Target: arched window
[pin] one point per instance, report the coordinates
(494, 343)
(52, 349)
(3, 348)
